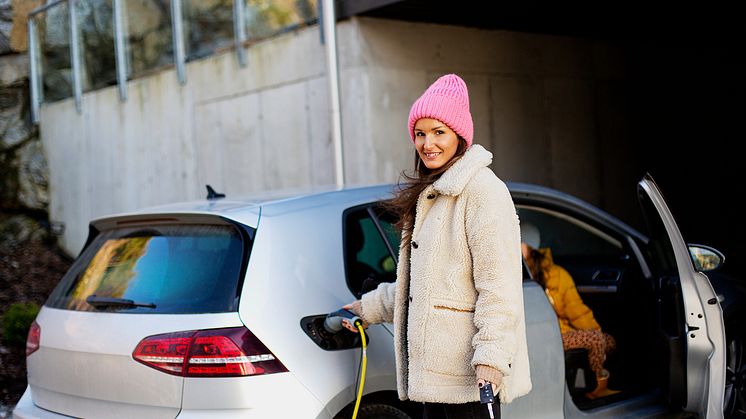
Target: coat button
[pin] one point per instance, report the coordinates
(431, 196)
(414, 244)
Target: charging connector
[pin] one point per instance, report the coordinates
(334, 324)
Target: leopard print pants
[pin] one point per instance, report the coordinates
(598, 344)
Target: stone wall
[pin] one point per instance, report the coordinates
(24, 174)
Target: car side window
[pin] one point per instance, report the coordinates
(568, 237)
(596, 260)
(368, 259)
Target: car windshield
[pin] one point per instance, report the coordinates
(157, 269)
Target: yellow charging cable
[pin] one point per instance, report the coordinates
(362, 373)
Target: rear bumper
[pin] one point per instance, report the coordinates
(26, 409)
(275, 395)
(266, 396)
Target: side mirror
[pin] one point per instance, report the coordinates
(706, 258)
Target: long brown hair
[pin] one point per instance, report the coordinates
(404, 203)
(535, 260)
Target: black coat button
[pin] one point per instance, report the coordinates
(414, 244)
(431, 196)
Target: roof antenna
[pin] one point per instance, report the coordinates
(211, 194)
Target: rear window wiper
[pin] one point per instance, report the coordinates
(97, 302)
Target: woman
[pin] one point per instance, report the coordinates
(578, 326)
(457, 303)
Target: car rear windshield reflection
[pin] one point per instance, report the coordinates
(175, 268)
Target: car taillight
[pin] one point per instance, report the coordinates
(229, 352)
(164, 352)
(33, 338)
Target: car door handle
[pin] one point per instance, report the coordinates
(607, 275)
(597, 289)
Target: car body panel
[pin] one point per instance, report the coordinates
(705, 355)
(26, 409)
(547, 360)
(312, 280)
(246, 216)
(84, 366)
(263, 396)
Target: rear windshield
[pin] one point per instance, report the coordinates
(157, 269)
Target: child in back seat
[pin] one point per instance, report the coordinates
(578, 326)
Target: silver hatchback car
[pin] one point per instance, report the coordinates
(213, 309)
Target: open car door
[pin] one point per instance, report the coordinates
(700, 339)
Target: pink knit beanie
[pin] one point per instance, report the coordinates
(446, 100)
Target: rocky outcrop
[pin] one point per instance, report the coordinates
(15, 126)
(23, 167)
(30, 263)
(24, 175)
(6, 26)
(33, 176)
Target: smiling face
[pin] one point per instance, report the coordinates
(436, 144)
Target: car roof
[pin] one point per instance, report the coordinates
(290, 200)
(309, 195)
(269, 203)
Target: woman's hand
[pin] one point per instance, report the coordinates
(481, 383)
(355, 308)
(486, 373)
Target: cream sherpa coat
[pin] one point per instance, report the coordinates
(463, 304)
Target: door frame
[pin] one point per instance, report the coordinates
(703, 318)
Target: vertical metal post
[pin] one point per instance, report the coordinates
(177, 35)
(120, 49)
(320, 14)
(33, 55)
(332, 65)
(239, 31)
(75, 56)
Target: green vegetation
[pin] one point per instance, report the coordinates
(17, 321)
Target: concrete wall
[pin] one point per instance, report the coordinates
(241, 130)
(548, 107)
(551, 109)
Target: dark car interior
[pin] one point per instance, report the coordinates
(369, 259)
(613, 284)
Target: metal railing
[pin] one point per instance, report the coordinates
(77, 46)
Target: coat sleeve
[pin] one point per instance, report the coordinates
(578, 314)
(377, 306)
(493, 236)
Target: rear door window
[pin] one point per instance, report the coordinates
(161, 268)
(370, 243)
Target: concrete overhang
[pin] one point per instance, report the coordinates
(602, 20)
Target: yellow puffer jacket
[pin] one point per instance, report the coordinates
(564, 297)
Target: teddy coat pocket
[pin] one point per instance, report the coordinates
(446, 350)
